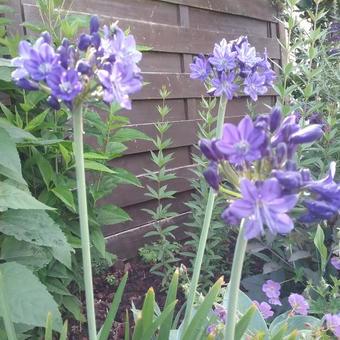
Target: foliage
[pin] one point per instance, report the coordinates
(37, 157)
(162, 253)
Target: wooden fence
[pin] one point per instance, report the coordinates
(176, 30)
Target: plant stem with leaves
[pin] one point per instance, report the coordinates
(83, 219)
(205, 228)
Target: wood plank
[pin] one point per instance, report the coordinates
(17, 18)
(140, 217)
(161, 62)
(216, 21)
(167, 38)
(260, 9)
(127, 243)
(147, 10)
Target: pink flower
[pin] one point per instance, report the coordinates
(264, 308)
(335, 261)
(333, 323)
(272, 291)
(298, 303)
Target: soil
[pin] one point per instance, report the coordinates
(140, 280)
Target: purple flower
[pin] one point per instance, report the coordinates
(200, 68)
(209, 150)
(335, 261)
(272, 291)
(333, 323)
(255, 85)
(275, 119)
(224, 85)
(263, 203)
(298, 304)
(242, 143)
(65, 84)
(212, 329)
(211, 175)
(220, 312)
(118, 83)
(264, 308)
(223, 58)
(247, 55)
(307, 135)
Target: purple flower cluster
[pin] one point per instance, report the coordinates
(234, 67)
(103, 65)
(261, 153)
(272, 290)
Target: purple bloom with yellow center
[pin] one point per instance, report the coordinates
(223, 58)
(264, 308)
(263, 203)
(272, 290)
(242, 143)
(224, 85)
(254, 85)
(298, 303)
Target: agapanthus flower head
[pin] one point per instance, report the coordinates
(333, 323)
(264, 308)
(298, 303)
(102, 65)
(232, 68)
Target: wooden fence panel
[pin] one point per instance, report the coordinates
(176, 30)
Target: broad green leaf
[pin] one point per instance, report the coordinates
(66, 196)
(74, 306)
(36, 227)
(98, 240)
(257, 323)
(45, 169)
(28, 299)
(93, 165)
(319, 240)
(105, 330)
(94, 155)
(5, 72)
(30, 255)
(128, 134)
(17, 135)
(111, 214)
(10, 165)
(14, 198)
(126, 177)
(297, 322)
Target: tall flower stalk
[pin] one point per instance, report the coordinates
(83, 219)
(233, 67)
(206, 225)
(102, 67)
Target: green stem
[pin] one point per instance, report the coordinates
(234, 284)
(205, 228)
(9, 327)
(83, 220)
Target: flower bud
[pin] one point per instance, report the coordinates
(53, 102)
(84, 67)
(95, 40)
(84, 42)
(281, 153)
(307, 135)
(289, 179)
(27, 84)
(208, 150)
(47, 37)
(275, 119)
(211, 175)
(94, 24)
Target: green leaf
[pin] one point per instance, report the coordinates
(36, 227)
(5, 72)
(48, 327)
(319, 241)
(17, 135)
(63, 334)
(28, 299)
(126, 177)
(30, 255)
(111, 214)
(36, 121)
(297, 322)
(165, 328)
(198, 322)
(148, 309)
(8, 113)
(98, 240)
(66, 196)
(74, 306)
(106, 328)
(128, 134)
(243, 324)
(93, 165)
(14, 198)
(10, 165)
(94, 155)
(45, 169)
